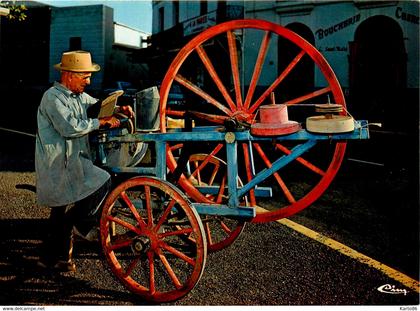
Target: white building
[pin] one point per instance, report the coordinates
(338, 29)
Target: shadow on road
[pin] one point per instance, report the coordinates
(23, 283)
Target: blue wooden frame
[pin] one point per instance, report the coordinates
(216, 134)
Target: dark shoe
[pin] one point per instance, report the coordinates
(59, 265)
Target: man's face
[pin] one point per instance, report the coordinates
(77, 81)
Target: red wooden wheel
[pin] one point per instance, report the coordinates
(143, 224)
(230, 91)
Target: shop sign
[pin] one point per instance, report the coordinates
(334, 49)
(200, 23)
(322, 33)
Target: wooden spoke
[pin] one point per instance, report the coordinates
(197, 172)
(123, 223)
(169, 269)
(221, 190)
(164, 216)
(192, 87)
(208, 233)
(174, 147)
(207, 159)
(276, 83)
(213, 74)
(175, 113)
(307, 96)
(258, 67)
(225, 228)
(177, 253)
(139, 219)
(152, 284)
(233, 53)
(213, 174)
(212, 118)
(301, 160)
(148, 207)
(249, 173)
(121, 244)
(176, 232)
(131, 267)
(280, 181)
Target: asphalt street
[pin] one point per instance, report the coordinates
(269, 264)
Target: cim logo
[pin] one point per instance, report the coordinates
(391, 289)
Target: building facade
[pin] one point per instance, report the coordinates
(195, 16)
(49, 31)
(87, 28)
(177, 22)
(373, 47)
(92, 28)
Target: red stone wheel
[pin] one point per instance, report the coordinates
(143, 225)
(206, 170)
(221, 88)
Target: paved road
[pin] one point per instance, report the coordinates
(270, 264)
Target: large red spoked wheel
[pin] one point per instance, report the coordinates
(143, 228)
(219, 86)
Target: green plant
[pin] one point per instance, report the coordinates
(17, 12)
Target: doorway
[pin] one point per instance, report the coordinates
(378, 72)
(301, 79)
(378, 92)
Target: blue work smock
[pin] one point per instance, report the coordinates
(65, 172)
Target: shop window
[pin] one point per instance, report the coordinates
(75, 43)
(161, 19)
(203, 7)
(176, 11)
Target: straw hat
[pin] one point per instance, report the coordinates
(77, 61)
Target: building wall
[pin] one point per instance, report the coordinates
(93, 24)
(333, 32)
(193, 18)
(127, 36)
(187, 10)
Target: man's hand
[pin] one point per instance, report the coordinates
(127, 110)
(109, 122)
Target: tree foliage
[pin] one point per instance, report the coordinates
(17, 11)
